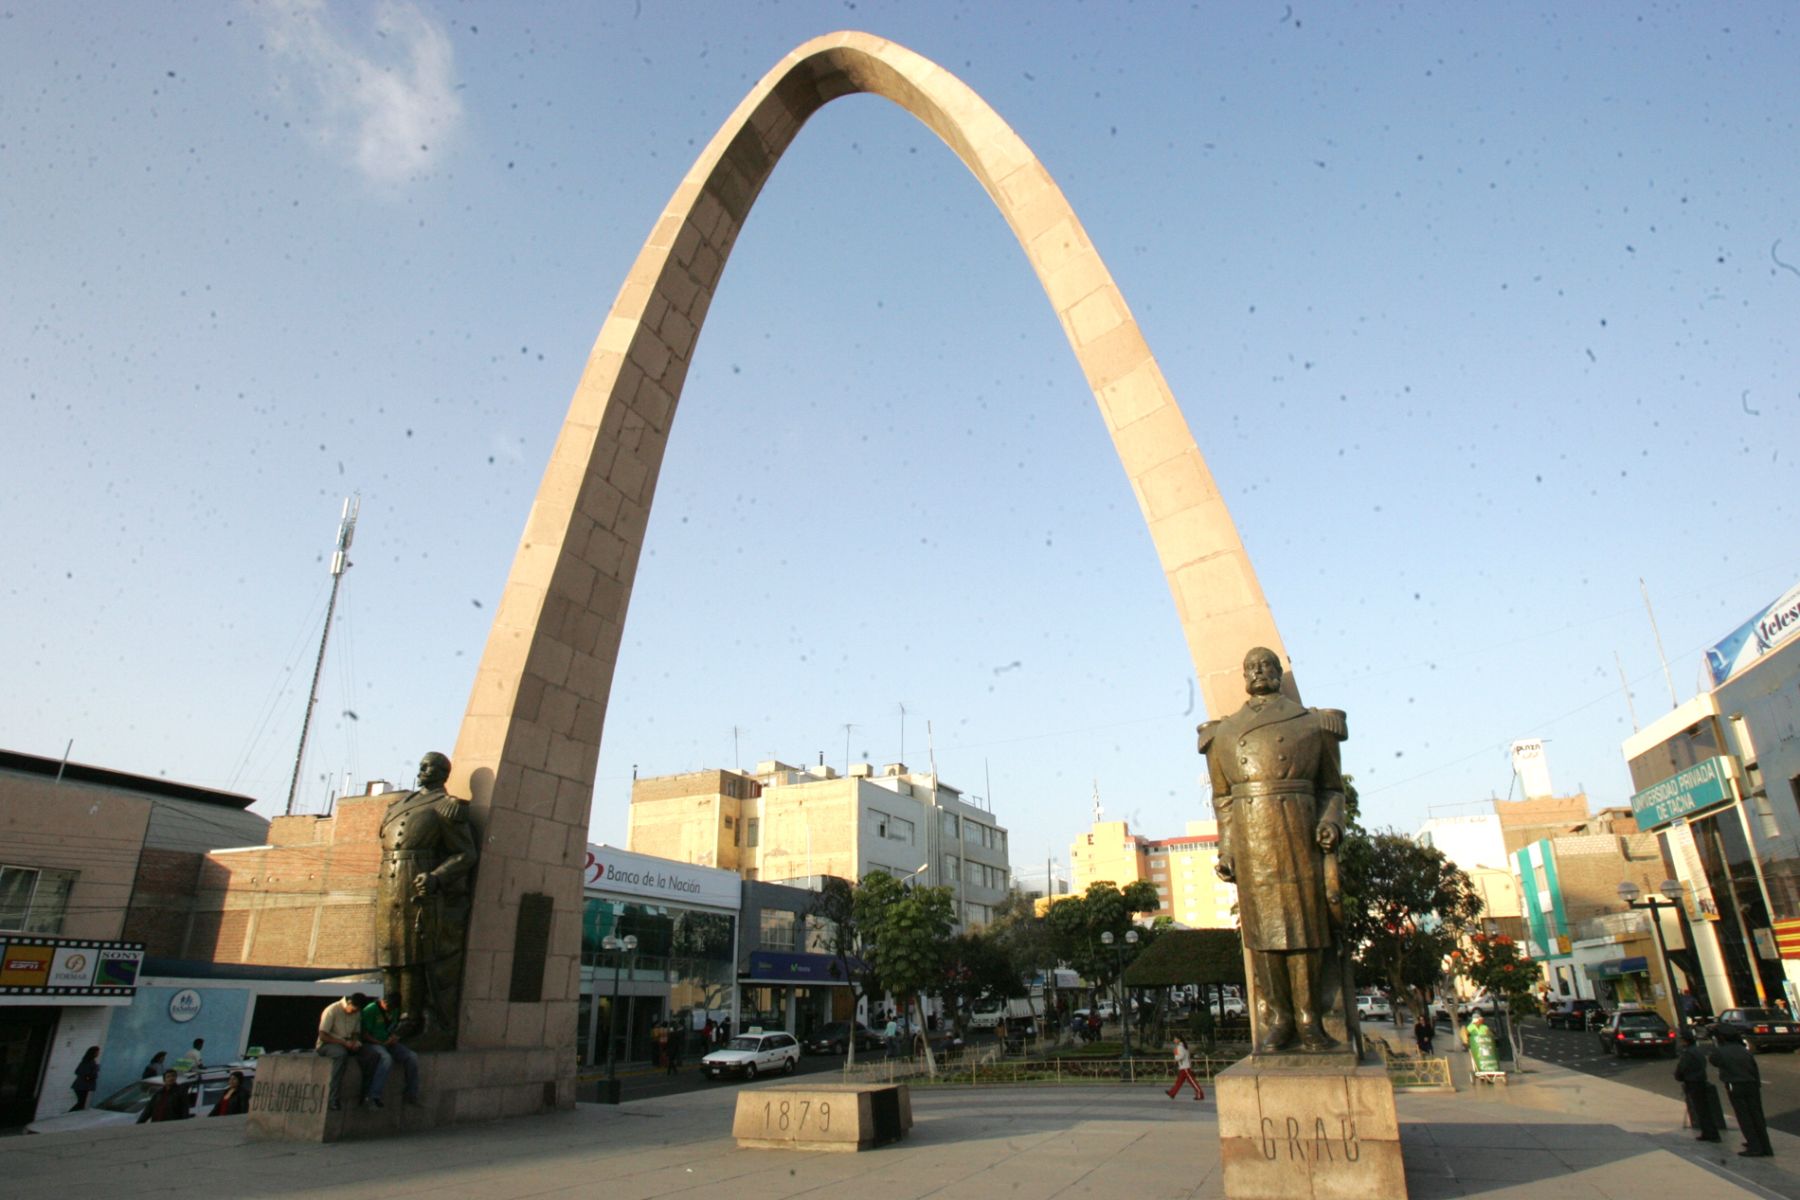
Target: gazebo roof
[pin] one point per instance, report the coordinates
(1181, 956)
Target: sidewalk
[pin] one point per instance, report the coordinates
(1578, 1136)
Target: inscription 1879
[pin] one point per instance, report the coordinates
(1293, 1140)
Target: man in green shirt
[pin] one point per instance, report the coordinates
(379, 1024)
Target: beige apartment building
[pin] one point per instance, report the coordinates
(791, 824)
(1181, 868)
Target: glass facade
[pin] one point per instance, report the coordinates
(683, 970)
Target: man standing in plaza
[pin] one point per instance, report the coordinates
(380, 1032)
(1278, 792)
(1739, 1074)
(340, 1036)
(1690, 1071)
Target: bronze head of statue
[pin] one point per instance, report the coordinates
(434, 770)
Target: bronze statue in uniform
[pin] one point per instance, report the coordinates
(422, 906)
(1278, 793)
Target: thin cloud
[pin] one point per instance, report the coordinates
(385, 98)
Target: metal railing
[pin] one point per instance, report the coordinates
(987, 1067)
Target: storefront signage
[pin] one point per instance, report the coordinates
(69, 967)
(621, 872)
(776, 966)
(1755, 637)
(1705, 785)
(184, 1006)
(73, 966)
(1787, 938)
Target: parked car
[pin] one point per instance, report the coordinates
(1761, 1028)
(127, 1104)
(1483, 1004)
(753, 1054)
(1374, 1008)
(1638, 1032)
(834, 1038)
(1573, 1014)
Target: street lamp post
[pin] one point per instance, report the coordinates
(620, 947)
(1131, 938)
(1629, 892)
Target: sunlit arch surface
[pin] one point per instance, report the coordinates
(530, 740)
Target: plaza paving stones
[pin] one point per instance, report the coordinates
(1548, 1135)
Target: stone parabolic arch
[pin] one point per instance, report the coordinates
(530, 740)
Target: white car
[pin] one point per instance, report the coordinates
(1374, 1008)
(753, 1054)
(126, 1105)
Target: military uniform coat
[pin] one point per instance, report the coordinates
(425, 833)
(1275, 776)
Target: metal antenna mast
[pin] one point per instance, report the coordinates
(340, 562)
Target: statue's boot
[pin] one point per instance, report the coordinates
(1304, 979)
(1278, 1036)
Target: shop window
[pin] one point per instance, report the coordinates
(34, 900)
(777, 930)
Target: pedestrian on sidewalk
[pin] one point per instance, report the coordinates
(677, 1034)
(1424, 1033)
(1690, 1070)
(1738, 1072)
(168, 1104)
(1184, 1071)
(87, 1077)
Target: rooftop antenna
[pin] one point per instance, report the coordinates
(1668, 678)
(1625, 686)
(340, 562)
(903, 731)
(1097, 809)
(847, 728)
(931, 747)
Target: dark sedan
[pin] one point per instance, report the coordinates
(1761, 1028)
(1573, 1014)
(1637, 1033)
(834, 1038)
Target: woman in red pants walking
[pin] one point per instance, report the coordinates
(1184, 1071)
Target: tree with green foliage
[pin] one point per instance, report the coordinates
(1493, 963)
(1076, 925)
(906, 933)
(1406, 907)
(976, 967)
(835, 905)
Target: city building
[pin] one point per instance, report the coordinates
(1476, 844)
(86, 853)
(786, 824)
(1188, 891)
(1718, 781)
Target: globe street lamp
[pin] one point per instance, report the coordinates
(620, 947)
(1131, 938)
(1629, 893)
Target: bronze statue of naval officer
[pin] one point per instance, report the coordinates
(422, 906)
(1278, 793)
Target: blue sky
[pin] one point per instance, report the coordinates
(1479, 315)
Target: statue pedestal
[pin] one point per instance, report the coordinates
(288, 1097)
(1293, 1130)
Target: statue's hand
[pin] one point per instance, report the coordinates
(1329, 835)
(424, 884)
(1224, 869)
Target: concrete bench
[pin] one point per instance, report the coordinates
(830, 1116)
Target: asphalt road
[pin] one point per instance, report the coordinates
(1581, 1051)
(643, 1082)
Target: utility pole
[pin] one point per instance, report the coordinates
(340, 562)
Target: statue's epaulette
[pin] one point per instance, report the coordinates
(453, 807)
(1206, 730)
(1332, 721)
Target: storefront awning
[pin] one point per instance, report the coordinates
(818, 970)
(1613, 968)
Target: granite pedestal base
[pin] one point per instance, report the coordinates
(289, 1098)
(1309, 1132)
(830, 1116)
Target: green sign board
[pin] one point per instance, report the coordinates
(1704, 785)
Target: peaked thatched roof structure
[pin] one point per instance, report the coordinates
(1182, 956)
